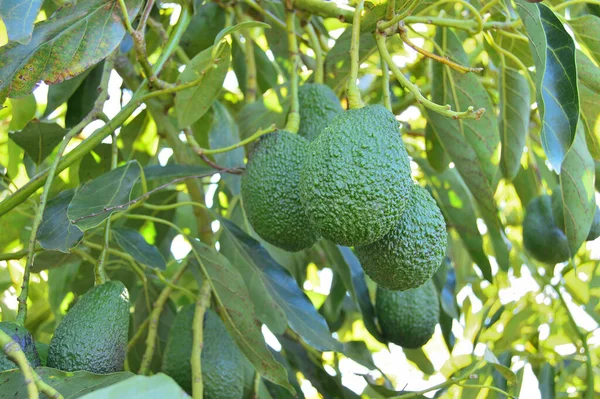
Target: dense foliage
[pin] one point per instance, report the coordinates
(166, 157)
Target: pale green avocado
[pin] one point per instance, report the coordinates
(356, 179)
(93, 334)
(542, 237)
(318, 106)
(408, 318)
(271, 195)
(411, 252)
(222, 362)
(23, 337)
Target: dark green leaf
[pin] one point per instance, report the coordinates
(192, 103)
(59, 284)
(82, 101)
(546, 382)
(132, 242)
(232, 29)
(262, 114)
(87, 209)
(83, 35)
(436, 155)
(61, 92)
(237, 312)
(175, 171)
(56, 231)
(577, 188)
(18, 17)
(266, 73)
(141, 387)
(223, 133)
(46, 260)
(498, 379)
(38, 139)
(95, 163)
(418, 357)
(556, 79)
(70, 384)
(206, 23)
(302, 316)
(513, 119)
(23, 110)
(501, 368)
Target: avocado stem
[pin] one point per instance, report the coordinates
(293, 119)
(316, 46)
(353, 91)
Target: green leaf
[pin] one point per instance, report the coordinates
(61, 92)
(587, 32)
(95, 163)
(238, 313)
(56, 231)
(456, 203)
(82, 35)
(588, 73)
(267, 111)
(141, 387)
(513, 120)
(87, 209)
(18, 17)
(473, 145)
(192, 103)
(266, 73)
(589, 90)
(82, 101)
(418, 357)
(556, 79)
(47, 260)
(70, 384)
(22, 110)
(546, 382)
(206, 23)
(59, 284)
(501, 368)
(38, 139)
(175, 171)
(302, 316)
(232, 29)
(436, 155)
(577, 189)
(132, 242)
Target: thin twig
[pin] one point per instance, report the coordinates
(293, 119)
(353, 91)
(202, 304)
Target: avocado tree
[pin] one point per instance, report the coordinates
(299, 198)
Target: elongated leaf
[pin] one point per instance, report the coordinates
(56, 231)
(73, 39)
(38, 139)
(70, 384)
(589, 92)
(473, 145)
(546, 382)
(223, 133)
(18, 17)
(232, 29)
(23, 110)
(207, 22)
(302, 316)
(87, 209)
(238, 313)
(82, 101)
(192, 103)
(501, 368)
(556, 79)
(175, 171)
(266, 73)
(436, 155)
(132, 242)
(59, 284)
(141, 387)
(61, 92)
(577, 189)
(587, 31)
(456, 203)
(513, 119)
(588, 73)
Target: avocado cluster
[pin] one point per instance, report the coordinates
(93, 335)
(544, 229)
(23, 337)
(408, 318)
(223, 367)
(318, 106)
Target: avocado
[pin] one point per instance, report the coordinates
(270, 191)
(595, 229)
(222, 362)
(93, 334)
(23, 337)
(559, 218)
(355, 181)
(413, 250)
(542, 237)
(408, 318)
(318, 106)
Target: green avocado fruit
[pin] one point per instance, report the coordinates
(318, 106)
(408, 318)
(542, 237)
(23, 337)
(222, 362)
(355, 181)
(559, 218)
(93, 334)
(271, 195)
(413, 250)
(595, 229)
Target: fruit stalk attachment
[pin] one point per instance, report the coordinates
(353, 91)
(293, 121)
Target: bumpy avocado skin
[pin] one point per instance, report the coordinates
(23, 337)
(356, 179)
(93, 334)
(413, 250)
(222, 363)
(408, 318)
(318, 106)
(271, 194)
(542, 238)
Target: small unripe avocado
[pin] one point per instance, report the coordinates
(23, 337)
(222, 362)
(559, 216)
(271, 195)
(542, 237)
(318, 106)
(412, 252)
(93, 334)
(408, 318)
(356, 179)
(595, 229)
